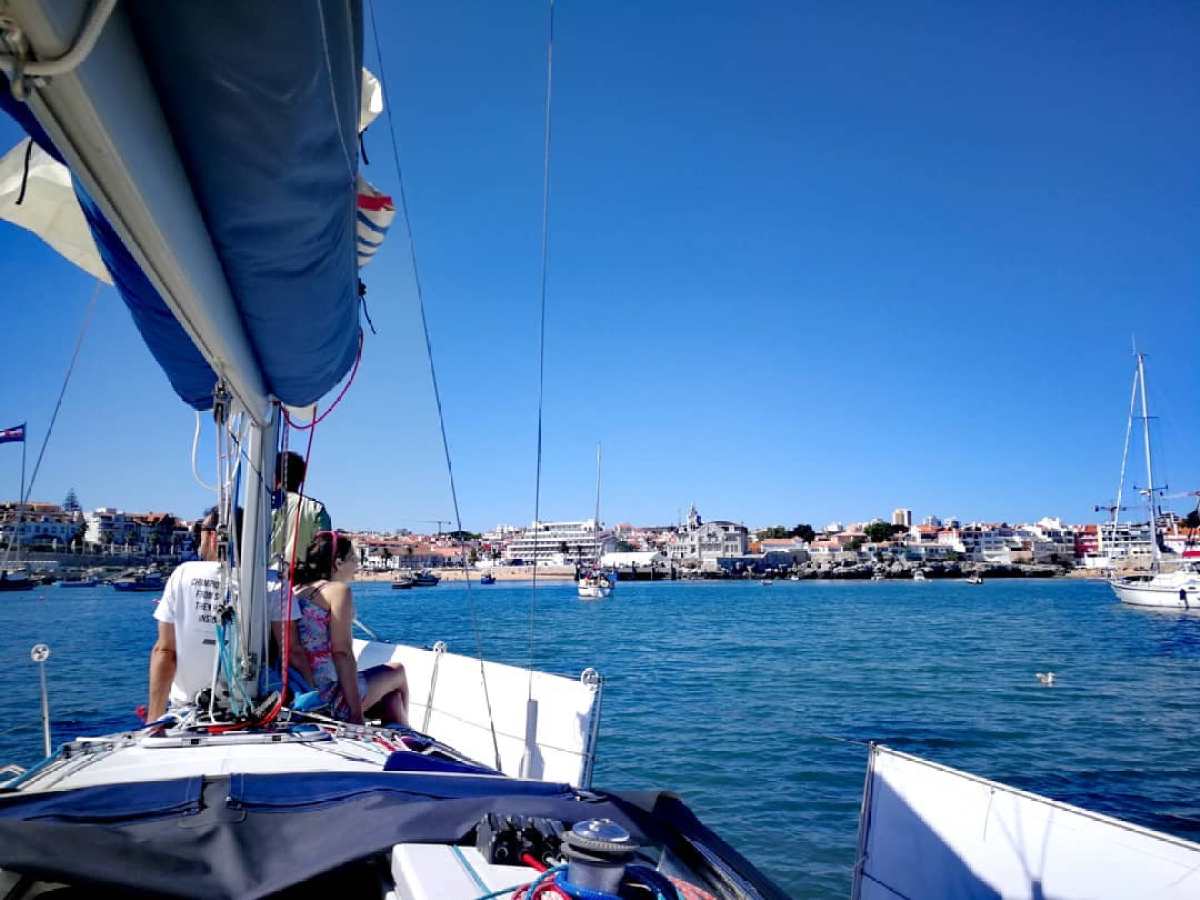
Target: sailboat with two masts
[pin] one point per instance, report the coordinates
(1178, 589)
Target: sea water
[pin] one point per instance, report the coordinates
(755, 702)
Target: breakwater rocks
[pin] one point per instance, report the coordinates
(907, 571)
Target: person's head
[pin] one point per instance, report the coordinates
(330, 556)
(204, 533)
(289, 471)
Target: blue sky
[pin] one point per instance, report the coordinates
(807, 263)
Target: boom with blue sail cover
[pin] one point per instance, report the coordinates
(266, 134)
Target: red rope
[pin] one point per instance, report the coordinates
(318, 419)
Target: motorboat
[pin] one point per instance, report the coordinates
(426, 578)
(139, 582)
(974, 579)
(403, 581)
(487, 578)
(919, 575)
(17, 580)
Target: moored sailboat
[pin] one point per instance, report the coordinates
(1179, 589)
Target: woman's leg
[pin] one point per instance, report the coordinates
(387, 685)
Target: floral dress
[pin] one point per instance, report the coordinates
(315, 636)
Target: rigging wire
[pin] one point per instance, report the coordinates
(195, 471)
(87, 321)
(537, 482)
(412, 253)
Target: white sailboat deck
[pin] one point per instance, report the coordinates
(545, 729)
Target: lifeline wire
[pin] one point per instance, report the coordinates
(437, 396)
(537, 483)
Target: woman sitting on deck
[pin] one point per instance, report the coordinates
(326, 615)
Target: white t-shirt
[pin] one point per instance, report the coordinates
(189, 602)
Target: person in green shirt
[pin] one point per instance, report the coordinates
(288, 530)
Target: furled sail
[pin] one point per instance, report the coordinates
(262, 105)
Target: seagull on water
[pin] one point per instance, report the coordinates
(1046, 678)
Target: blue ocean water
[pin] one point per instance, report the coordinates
(750, 700)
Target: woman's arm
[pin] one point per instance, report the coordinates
(341, 618)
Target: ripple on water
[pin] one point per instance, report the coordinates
(743, 699)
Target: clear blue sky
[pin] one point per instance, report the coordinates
(807, 263)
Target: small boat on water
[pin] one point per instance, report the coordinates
(487, 578)
(878, 576)
(426, 578)
(139, 581)
(919, 575)
(974, 579)
(403, 581)
(765, 582)
(17, 580)
(79, 582)
(595, 585)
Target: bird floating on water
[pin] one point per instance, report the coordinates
(1046, 678)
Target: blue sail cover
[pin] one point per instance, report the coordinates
(186, 368)
(262, 103)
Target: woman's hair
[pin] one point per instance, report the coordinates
(327, 549)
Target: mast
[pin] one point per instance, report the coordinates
(597, 519)
(1141, 377)
(254, 613)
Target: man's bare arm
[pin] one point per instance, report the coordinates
(162, 671)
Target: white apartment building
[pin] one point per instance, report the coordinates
(108, 525)
(560, 543)
(1124, 541)
(37, 524)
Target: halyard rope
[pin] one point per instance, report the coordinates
(412, 253)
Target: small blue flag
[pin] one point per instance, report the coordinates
(12, 435)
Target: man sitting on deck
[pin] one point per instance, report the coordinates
(183, 657)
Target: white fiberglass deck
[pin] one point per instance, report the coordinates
(930, 831)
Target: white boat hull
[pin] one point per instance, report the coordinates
(594, 591)
(1146, 593)
(930, 831)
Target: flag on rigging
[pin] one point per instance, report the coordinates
(12, 435)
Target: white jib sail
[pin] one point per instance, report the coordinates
(49, 209)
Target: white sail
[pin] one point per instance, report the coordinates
(49, 207)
